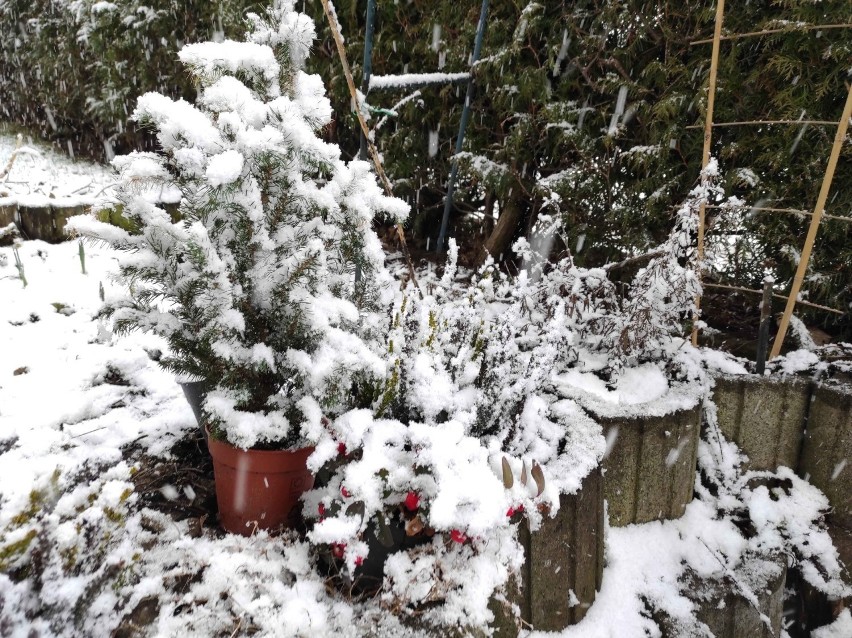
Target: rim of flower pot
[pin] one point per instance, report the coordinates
(227, 448)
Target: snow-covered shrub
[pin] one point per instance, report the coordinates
(65, 552)
(614, 331)
(428, 481)
(255, 288)
(465, 434)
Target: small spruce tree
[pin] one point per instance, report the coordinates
(254, 289)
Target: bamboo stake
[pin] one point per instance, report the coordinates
(792, 211)
(765, 122)
(347, 72)
(750, 34)
(839, 138)
(777, 296)
(705, 157)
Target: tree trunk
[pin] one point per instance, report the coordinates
(499, 240)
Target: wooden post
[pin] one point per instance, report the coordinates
(765, 320)
(705, 157)
(839, 137)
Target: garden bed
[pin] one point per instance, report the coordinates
(111, 403)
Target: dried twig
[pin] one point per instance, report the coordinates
(761, 122)
(776, 296)
(792, 211)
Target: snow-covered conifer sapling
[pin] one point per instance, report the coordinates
(254, 288)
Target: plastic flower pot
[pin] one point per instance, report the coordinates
(195, 393)
(259, 489)
(369, 575)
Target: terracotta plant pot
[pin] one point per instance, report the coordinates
(259, 489)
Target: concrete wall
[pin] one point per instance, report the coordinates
(764, 416)
(793, 421)
(649, 473)
(46, 223)
(565, 555)
(727, 613)
(827, 452)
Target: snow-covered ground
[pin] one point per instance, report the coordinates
(38, 173)
(81, 554)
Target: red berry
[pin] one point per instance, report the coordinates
(458, 536)
(412, 501)
(359, 560)
(346, 493)
(337, 549)
(341, 448)
(510, 512)
(321, 510)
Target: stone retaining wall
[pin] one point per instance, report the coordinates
(793, 421)
(727, 612)
(46, 222)
(564, 564)
(827, 452)
(764, 416)
(650, 469)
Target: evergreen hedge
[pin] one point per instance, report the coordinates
(548, 134)
(72, 69)
(589, 110)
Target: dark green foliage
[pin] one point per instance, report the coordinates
(73, 70)
(543, 136)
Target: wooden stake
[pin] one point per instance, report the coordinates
(839, 138)
(705, 157)
(765, 122)
(763, 329)
(347, 72)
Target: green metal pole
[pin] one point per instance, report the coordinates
(451, 183)
(363, 152)
(368, 67)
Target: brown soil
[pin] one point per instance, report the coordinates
(189, 469)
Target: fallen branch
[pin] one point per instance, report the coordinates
(792, 211)
(762, 122)
(633, 260)
(790, 29)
